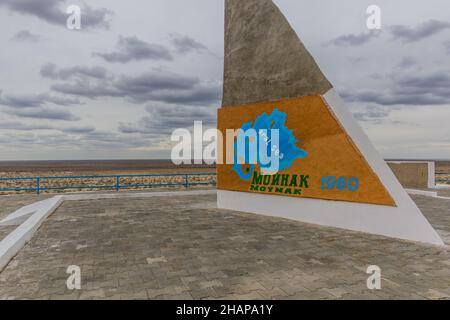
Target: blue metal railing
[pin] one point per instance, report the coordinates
(439, 179)
(117, 186)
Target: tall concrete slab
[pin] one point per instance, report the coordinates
(264, 59)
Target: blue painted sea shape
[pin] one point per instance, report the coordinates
(288, 151)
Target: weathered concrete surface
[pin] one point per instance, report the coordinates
(264, 58)
(444, 193)
(437, 211)
(5, 230)
(184, 248)
(410, 174)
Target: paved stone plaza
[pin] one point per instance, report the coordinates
(182, 247)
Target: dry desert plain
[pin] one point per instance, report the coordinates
(113, 167)
(24, 169)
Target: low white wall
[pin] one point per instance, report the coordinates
(411, 181)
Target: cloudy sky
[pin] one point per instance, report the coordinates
(138, 69)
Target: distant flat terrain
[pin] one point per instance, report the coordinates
(443, 166)
(93, 165)
(27, 169)
(119, 165)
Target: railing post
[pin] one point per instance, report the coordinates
(117, 183)
(186, 181)
(38, 185)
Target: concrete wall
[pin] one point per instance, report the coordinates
(414, 174)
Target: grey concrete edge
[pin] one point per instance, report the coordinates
(426, 193)
(432, 194)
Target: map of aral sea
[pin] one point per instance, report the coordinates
(286, 148)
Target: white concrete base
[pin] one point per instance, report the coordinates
(442, 186)
(345, 215)
(432, 194)
(405, 221)
(32, 216)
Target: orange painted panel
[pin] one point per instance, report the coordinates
(327, 164)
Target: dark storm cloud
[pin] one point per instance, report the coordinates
(185, 44)
(438, 80)
(59, 141)
(150, 86)
(134, 49)
(103, 137)
(89, 141)
(54, 12)
(15, 125)
(428, 89)
(356, 60)
(18, 140)
(372, 114)
(51, 71)
(153, 81)
(163, 120)
(113, 140)
(78, 130)
(199, 95)
(89, 82)
(43, 113)
(26, 36)
(447, 47)
(169, 88)
(27, 140)
(407, 34)
(33, 101)
(392, 98)
(21, 101)
(407, 62)
(60, 101)
(354, 39)
(86, 90)
(95, 17)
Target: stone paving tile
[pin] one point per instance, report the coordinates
(444, 192)
(174, 248)
(437, 211)
(6, 230)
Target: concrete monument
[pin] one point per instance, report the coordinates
(330, 174)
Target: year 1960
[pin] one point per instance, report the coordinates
(342, 183)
